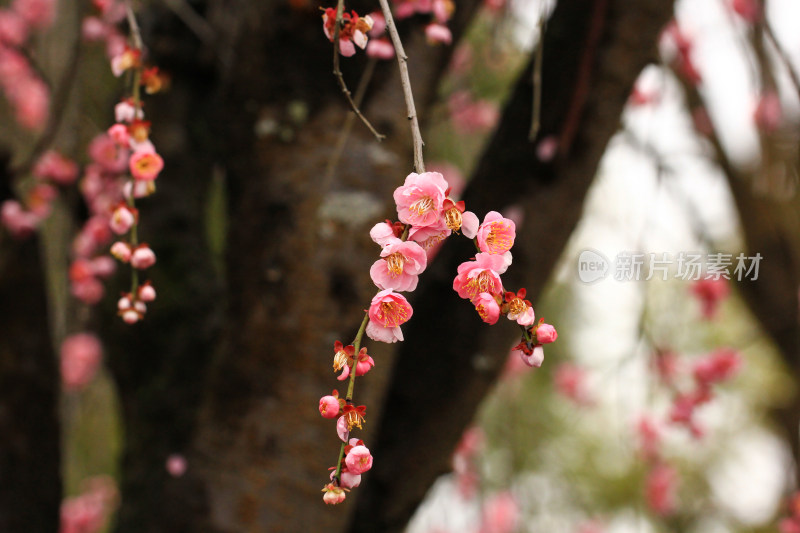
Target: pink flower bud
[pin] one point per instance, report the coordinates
(545, 334)
(122, 219)
(176, 465)
(143, 257)
(358, 459)
(139, 189)
(103, 266)
(80, 357)
(130, 316)
(380, 49)
(438, 33)
(329, 407)
(333, 494)
(122, 251)
(146, 292)
(487, 308)
(119, 132)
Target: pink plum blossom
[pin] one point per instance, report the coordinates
(37, 13)
(145, 166)
(176, 465)
(81, 354)
(383, 232)
(342, 429)
(329, 406)
(122, 219)
(419, 200)
(718, 366)
(749, 10)
(400, 267)
(143, 257)
(661, 488)
(146, 292)
(347, 480)
(104, 151)
(649, 433)
(57, 168)
(480, 275)
(496, 235)
(380, 48)
(471, 116)
(20, 222)
(120, 134)
(387, 312)
(533, 358)
(353, 31)
(570, 382)
(711, 293)
(358, 459)
(545, 334)
(13, 28)
(500, 514)
(438, 34)
(122, 251)
(487, 308)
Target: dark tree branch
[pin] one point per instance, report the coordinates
(430, 404)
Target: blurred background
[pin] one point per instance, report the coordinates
(657, 229)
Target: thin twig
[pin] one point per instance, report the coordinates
(402, 60)
(537, 83)
(338, 73)
(136, 34)
(192, 20)
(361, 90)
(787, 63)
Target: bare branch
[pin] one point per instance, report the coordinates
(402, 60)
(340, 78)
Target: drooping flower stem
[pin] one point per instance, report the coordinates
(356, 348)
(136, 37)
(338, 73)
(402, 60)
(351, 386)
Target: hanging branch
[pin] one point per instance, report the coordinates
(537, 83)
(402, 60)
(338, 73)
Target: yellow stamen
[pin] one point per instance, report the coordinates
(392, 314)
(517, 306)
(395, 264)
(453, 219)
(483, 282)
(339, 360)
(422, 206)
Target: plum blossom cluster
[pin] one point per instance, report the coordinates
(81, 355)
(353, 31)
(690, 386)
(26, 92)
(426, 216)
(440, 11)
(127, 143)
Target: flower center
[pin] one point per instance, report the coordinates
(392, 314)
(339, 360)
(395, 264)
(483, 282)
(499, 236)
(453, 219)
(517, 306)
(422, 206)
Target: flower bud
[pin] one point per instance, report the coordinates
(143, 257)
(545, 334)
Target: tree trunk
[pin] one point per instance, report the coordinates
(593, 53)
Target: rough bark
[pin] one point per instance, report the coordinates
(592, 55)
